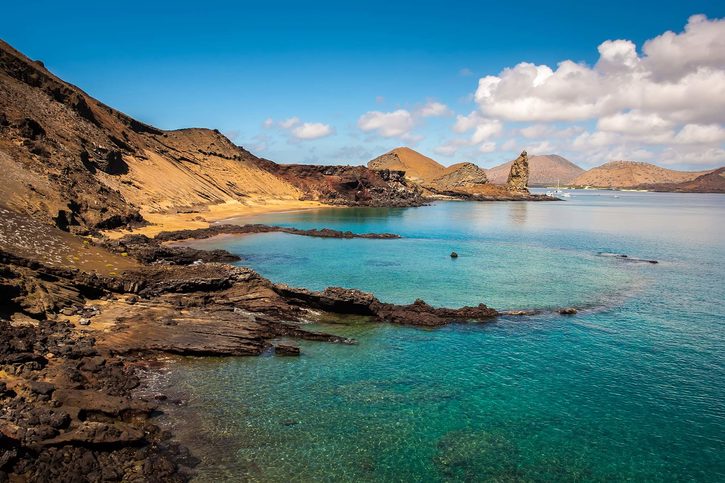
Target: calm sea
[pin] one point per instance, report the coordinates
(631, 388)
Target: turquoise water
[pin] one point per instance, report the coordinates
(631, 388)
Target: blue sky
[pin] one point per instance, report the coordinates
(294, 81)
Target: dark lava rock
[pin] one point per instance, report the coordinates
(90, 433)
(454, 255)
(286, 350)
(39, 387)
(568, 311)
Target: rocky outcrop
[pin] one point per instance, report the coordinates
(461, 176)
(223, 229)
(519, 176)
(544, 170)
(348, 185)
(463, 181)
(349, 301)
(75, 416)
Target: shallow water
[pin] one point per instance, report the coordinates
(631, 388)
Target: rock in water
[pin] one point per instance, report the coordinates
(454, 255)
(519, 175)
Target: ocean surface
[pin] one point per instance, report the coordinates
(630, 388)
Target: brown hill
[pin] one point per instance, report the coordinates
(461, 181)
(631, 174)
(544, 170)
(428, 172)
(67, 157)
(712, 182)
(417, 167)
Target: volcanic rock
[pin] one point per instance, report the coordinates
(519, 176)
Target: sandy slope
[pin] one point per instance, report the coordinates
(416, 166)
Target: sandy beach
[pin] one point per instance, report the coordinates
(202, 218)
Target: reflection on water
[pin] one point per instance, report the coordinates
(631, 391)
(517, 213)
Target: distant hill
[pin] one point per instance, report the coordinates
(712, 182)
(544, 170)
(416, 166)
(631, 174)
(429, 172)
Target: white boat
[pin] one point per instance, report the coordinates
(558, 193)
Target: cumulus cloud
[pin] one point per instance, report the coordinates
(300, 131)
(543, 147)
(669, 94)
(487, 147)
(311, 130)
(668, 80)
(483, 128)
(387, 124)
(434, 109)
(679, 77)
(700, 134)
(289, 123)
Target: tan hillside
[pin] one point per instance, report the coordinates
(416, 166)
(71, 159)
(428, 172)
(544, 170)
(631, 174)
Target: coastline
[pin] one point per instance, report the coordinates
(213, 213)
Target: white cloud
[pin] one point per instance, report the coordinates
(543, 147)
(700, 134)
(687, 155)
(298, 130)
(701, 45)
(434, 109)
(679, 77)
(289, 123)
(486, 129)
(487, 147)
(634, 122)
(665, 101)
(387, 124)
(483, 128)
(312, 130)
(451, 147)
(466, 123)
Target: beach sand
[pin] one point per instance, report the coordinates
(202, 218)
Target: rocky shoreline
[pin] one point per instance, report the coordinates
(72, 344)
